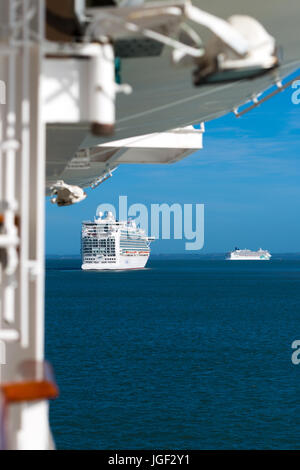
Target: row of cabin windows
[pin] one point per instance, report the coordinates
(101, 242)
(107, 260)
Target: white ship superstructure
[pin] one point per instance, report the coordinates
(109, 244)
(260, 255)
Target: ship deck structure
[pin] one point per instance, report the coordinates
(248, 255)
(108, 244)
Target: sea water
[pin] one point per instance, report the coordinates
(187, 354)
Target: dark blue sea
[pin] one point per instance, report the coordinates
(187, 354)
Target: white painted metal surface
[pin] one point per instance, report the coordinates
(163, 95)
(158, 148)
(102, 86)
(22, 184)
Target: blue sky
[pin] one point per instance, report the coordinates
(247, 176)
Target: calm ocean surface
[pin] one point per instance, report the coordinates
(183, 355)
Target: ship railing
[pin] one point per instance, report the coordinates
(35, 382)
(22, 190)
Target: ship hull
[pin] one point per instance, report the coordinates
(125, 263)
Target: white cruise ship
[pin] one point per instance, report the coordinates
(260, 255)
(109, 244)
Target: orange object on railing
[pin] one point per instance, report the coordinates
(36, 383)
(17, 220)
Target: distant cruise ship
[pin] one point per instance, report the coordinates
(109, 244)
(237, 254)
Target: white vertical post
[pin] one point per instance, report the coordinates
(24, 304)
(24, 183)
(40, 162)
(103, 90)
(9, 175)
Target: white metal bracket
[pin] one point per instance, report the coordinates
(103, 178)
(127, 20)
(64, 194)
(257, 102)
